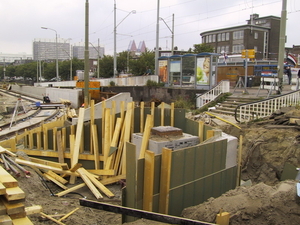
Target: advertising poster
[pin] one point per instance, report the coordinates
(203, 67)
(163, 70)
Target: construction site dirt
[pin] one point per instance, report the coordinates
(264, 199)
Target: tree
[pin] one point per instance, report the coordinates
(106, 66)
(199, 48)
(138, 66)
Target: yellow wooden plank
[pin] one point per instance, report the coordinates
(42, 166)
(14, 193)
(45, 135)
(89, 183)
(172, 117)
(78, 137)
(72, 189)
(55, 155)
(127, 134)
(146, 135)
(56, 177)
(5, 220)
(2, 189)
(152, 111)
(54, 130)
(162, 114)
(55, 181)
(201, 131)
(148, 181)
(6, 179)
(98, 184)
(210, 134)
(63, 138)
(103, 172)
(223, 218)
(107, 135)
(51, 218)
(95, 146)
(60, 152)
(113, 116)
(165, 176)
(142, 117)
(13, 208)
(69, 214)
(33, 209)
(38, 140)
(103, 106)
(30, 139)
(92, 122)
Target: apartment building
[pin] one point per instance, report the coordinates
(259, 33)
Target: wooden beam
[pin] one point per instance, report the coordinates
(172, 117)
(201, 131)
(72, 189)
(148, 181)
(103, 172)
(14, 193)
(146, 135)
(165, 176)
(54, 138)
(60, 151)
(92, 122)
(42, 166)
(69, 214)
(95, 146)
(56, 177)
(107, 135)
(162, 114)
(98, 184)
(55, 181)
(142, 116)
(33, 209)
(78, 137)
(6, 179)
(82, 172)
(51, 218)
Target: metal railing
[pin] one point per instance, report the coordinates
(203, 99)
(260, 109)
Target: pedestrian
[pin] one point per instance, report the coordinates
(148, 71)
(289, 74)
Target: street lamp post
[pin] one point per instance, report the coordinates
(57, 73)
(98, 51)
(172, 31)
(115, 36)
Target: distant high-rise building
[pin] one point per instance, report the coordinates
(46, 49)
(78, 52)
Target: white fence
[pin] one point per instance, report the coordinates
(250, 111)
(203, 99)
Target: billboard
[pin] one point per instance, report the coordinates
(203, 70)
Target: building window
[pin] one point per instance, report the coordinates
(219, 37)
(209, 39)
(255, 48)
(237, 48)
(238, 35)
(227, 36)
(214, 38)
(227, 49)
(255, 35)
(223, 36)
(218, 49)
(203, 39)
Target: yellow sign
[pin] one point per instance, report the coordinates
(248, 53)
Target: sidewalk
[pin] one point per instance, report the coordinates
(254, 92)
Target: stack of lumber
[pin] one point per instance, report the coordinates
(12, 199)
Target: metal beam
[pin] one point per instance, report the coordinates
(140, 213)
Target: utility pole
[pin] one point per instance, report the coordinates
(282, 40)
(157, 40)
(86, 57)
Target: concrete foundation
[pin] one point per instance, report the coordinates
(156, 142)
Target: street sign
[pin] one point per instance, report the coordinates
(248, 53)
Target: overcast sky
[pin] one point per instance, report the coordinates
(21, 21)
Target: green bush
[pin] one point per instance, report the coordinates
(152, 83)
(112, 84)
